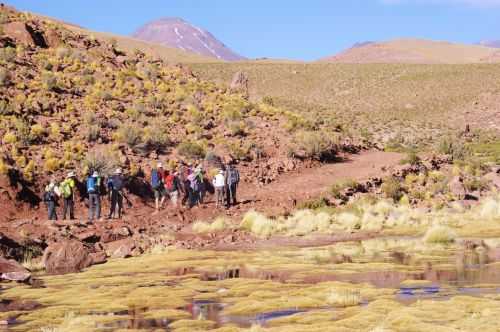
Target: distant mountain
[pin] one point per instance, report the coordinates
(175, 32)
(415, 51)
(490, 43)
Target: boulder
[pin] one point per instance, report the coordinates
(239, 83)
(68, 256)
(121, 248)
(13, 271)
(493, 178)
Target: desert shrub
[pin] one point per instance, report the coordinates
(237, 128)
(314, 204)
(52, 164)
(4, 77)
(29, 171)
(55, 131)
(103, 160)
(258, 224)
(268, 100)
(23, 132)
(92, 133)
(411, 158)
(7, 54)
(49, 81)
(156, 136)
(217, 225)
(439, 234)
(314, 144)
(475, 183)
(129, 133)
(37, 131)
(62, 52)
(4, 168)
(9, 138)
(192, 150)
(337, 188)
(454, 147)
(391, 188)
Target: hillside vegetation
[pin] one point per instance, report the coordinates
(393, 104)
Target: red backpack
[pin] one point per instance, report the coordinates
(169, 183)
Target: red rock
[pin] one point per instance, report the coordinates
(24, 34)
(13, 271)
(68, 256)
(121, 248)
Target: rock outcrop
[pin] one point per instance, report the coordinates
(69, 256)
(13, 271)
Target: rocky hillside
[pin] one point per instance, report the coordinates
(415, 51)
(175, 32)
(70, 101)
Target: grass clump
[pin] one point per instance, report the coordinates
(392, 189)
(439, 234)
(219, 224)
(258, 224)
(344, 298)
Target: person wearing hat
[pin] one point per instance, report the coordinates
(93, 190)
(50, 197)
(219, 183)
(67, 189)
(116, 184)
(157, 176)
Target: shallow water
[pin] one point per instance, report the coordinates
(197, 291)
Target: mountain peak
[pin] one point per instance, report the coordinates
(178, 33)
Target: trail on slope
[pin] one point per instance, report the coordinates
(311, 183)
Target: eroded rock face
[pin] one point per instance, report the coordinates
(24, 34)
(13, 271)
(69, 256)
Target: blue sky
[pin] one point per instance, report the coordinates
(294, 29)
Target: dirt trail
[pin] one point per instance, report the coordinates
(312, 182)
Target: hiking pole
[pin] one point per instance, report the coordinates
(129, 203)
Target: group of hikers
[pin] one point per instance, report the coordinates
(186, 185)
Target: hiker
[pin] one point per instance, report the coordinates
(50, 198)
(193, 189)
(157, 176)
(172, 186)
(93, 189)
(219, 183)
(232, 181)
(116, 183)
(200, 178)
(67, 189)
(184, 183)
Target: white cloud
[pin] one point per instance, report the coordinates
(476, 3)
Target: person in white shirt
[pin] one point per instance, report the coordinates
(219, 183)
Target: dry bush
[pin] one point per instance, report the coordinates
(102, 160)
(314, 144)
(391, 188)
(258, 224)
(219, 224)
(439, 234)
(4, 77)
(130, 133)
(7, 54)
(192, 150)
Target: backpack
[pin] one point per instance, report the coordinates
(49, 196)
(194, 182)
(91, 184)
(117, 182)
(170, 183)
(233, 176)
(66, 189)
(155, 179)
